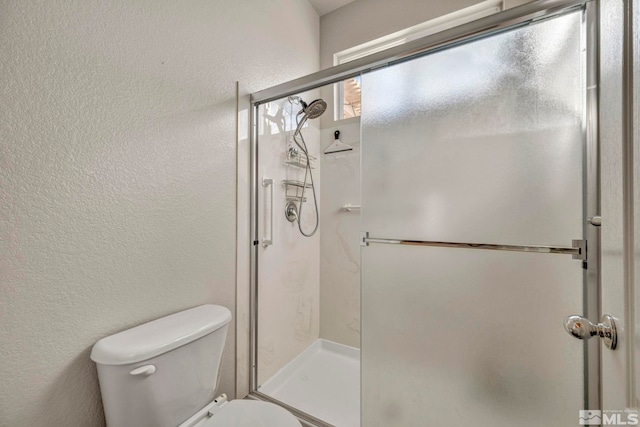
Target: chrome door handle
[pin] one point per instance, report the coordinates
(581, 328)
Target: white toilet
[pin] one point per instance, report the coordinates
(164, 374)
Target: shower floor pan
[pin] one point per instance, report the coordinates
(323, 381)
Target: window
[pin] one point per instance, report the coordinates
(347, 94)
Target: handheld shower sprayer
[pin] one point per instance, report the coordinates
(315, 109)
(312, 110)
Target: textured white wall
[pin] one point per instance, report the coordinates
(117, 176)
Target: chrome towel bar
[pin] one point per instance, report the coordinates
(578, 250)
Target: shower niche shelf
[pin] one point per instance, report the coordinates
(297, 163)
(298, 159)
(295, 183)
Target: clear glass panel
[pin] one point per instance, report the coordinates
(288, 270)
(479, 143)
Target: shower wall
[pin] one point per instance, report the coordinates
(339, 247)
(288, 270)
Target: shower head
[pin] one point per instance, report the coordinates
(314, 109)
(310, 111)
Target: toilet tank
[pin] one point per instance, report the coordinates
(161, 373)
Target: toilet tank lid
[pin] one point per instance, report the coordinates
(159, 336)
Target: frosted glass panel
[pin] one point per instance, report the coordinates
(479, 143)
(455, 337)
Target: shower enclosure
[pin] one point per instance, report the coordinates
(478, 230)
(475, 252)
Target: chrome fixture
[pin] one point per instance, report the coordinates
(315, 109)
(312, 110)
(596, 220)
(581, 328)
(578, 249)
(291, 211)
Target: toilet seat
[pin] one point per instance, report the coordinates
(252, 413)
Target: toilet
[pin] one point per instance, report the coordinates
(164, 374)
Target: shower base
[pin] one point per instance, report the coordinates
(323, 381)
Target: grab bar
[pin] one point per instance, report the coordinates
(578, 249)
(268, 182)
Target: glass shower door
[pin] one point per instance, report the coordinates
(480, 143)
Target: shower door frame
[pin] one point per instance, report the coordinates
(484, 27)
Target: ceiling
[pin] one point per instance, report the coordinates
(325, 6)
